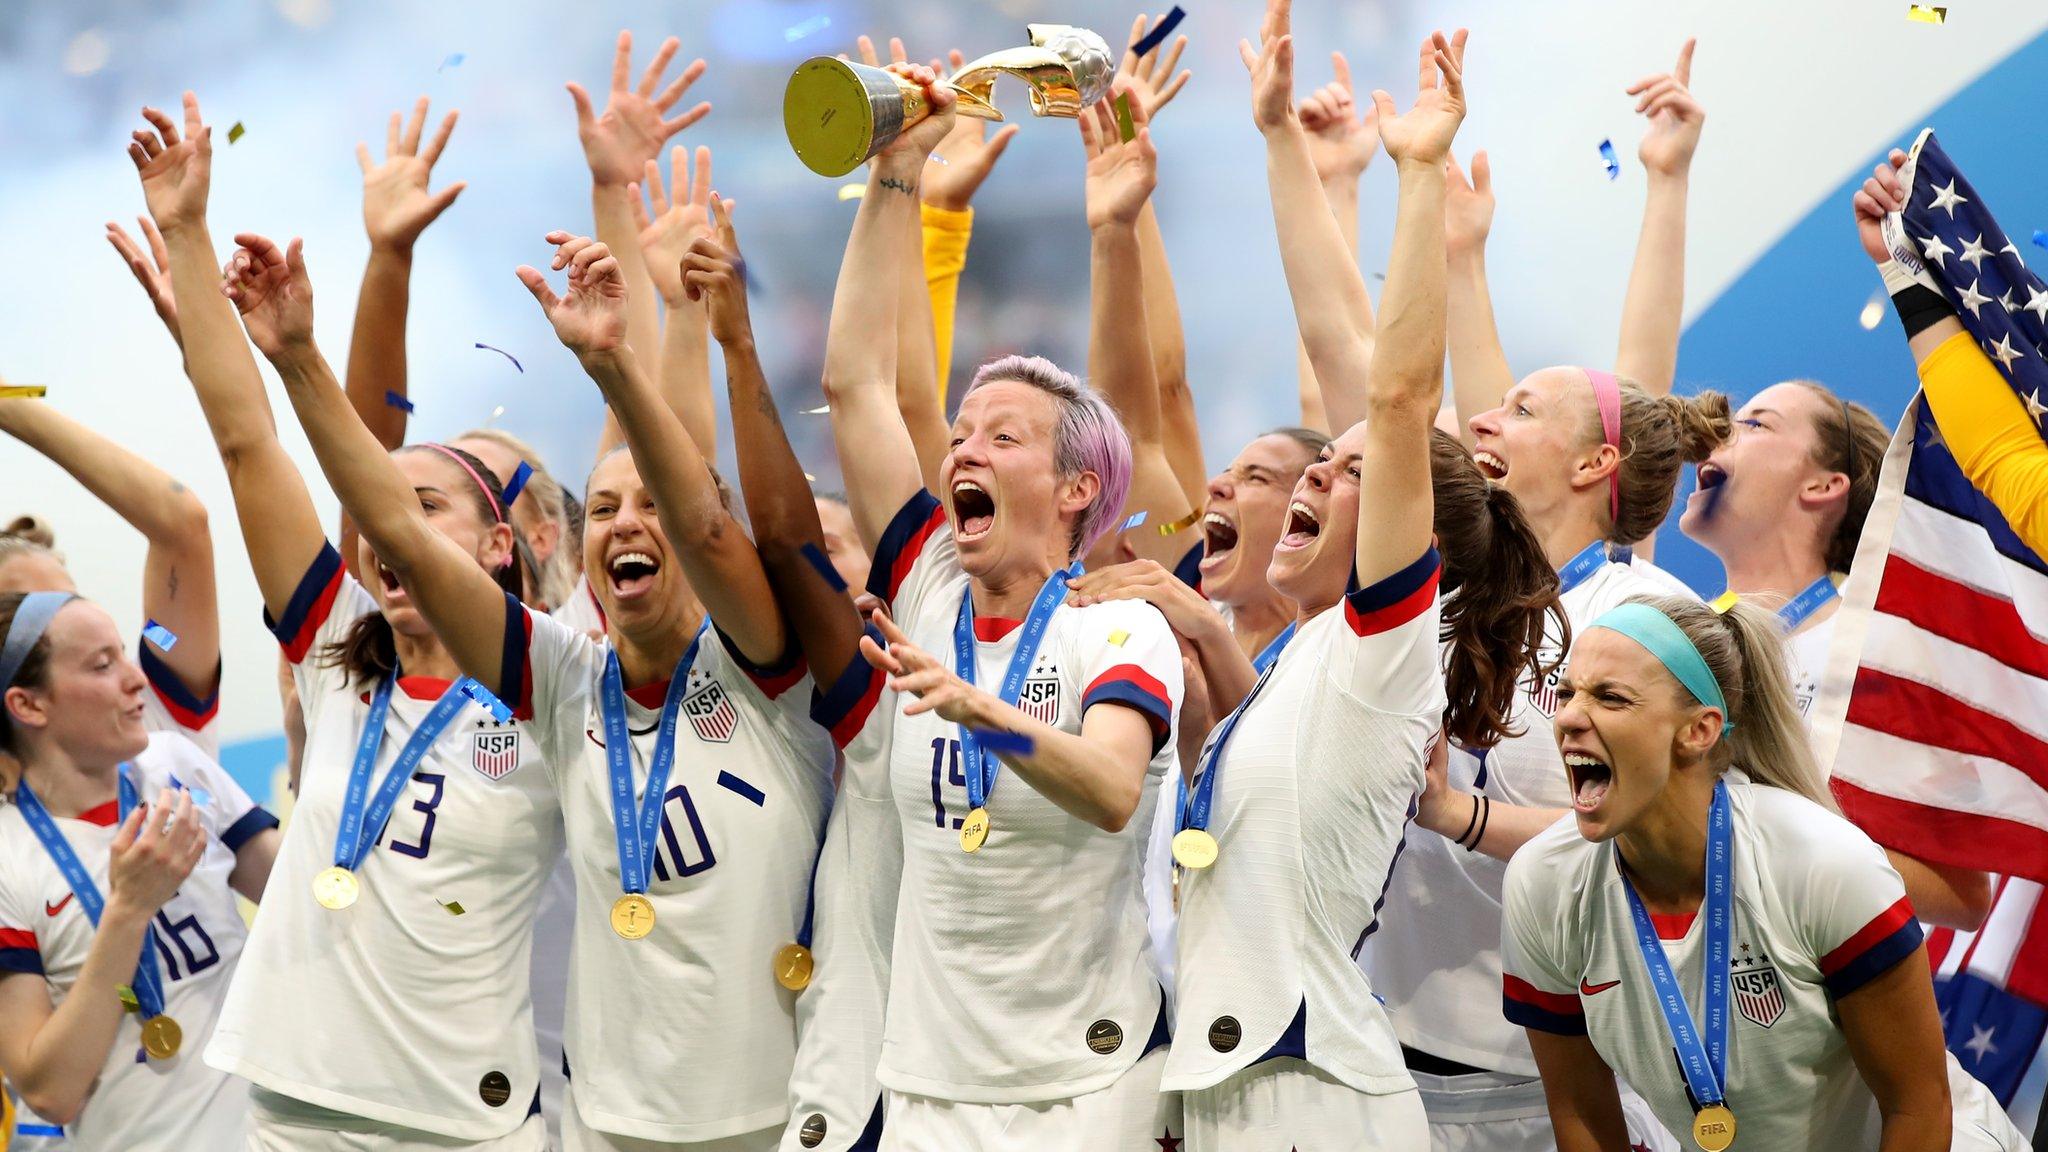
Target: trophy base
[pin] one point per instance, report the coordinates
(839, 114)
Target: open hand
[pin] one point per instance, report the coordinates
(913, 670)
(1186, 611)
(396, 204)
(1675, 117)
(630, 132)
(1343, 135)
(1152, 82)
(153, 271)
(677, 223)
(714, 272)
(154, 852)
(590, 319)
(1468, 205)
(1121, 174)
(271, 290)
(176, 168)
(1272, 68)
(1423, 134)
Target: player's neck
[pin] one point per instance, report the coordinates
(1773, 562)
(423, 656)
(649, 656)
(1664, 851)
(1256, 623)
(1008, 590)
(1568, 533)
(67, 788)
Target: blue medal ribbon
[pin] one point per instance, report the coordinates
(1273, 648)
(147, 983)
(636, 830)
(1194, 809)
(364, 814)
(1704, 1064)
(1590, 559)
(981, 768)
(1810, 600)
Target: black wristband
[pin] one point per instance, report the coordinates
(1469, 824)
(1485, 814)
(1920, 308)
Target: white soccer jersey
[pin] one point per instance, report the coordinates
(169, 706)
(684, 1035)
(1666, 583)
(1020, 972)
(409, 1007)
(835, 1098)
(1818, 913)
(1438, 964)
(140, 1104)
(1318, 782)
(1806, 655)
(581, 611)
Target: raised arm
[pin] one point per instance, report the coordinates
(1328, 292)
(152, 270)
(177, 573)
(876, 452)
(1343, 135)
(1480, 375)
(1121, 174)
(617, 144)
(682, 214)
(397, 207)
(1654, 307)
(780, 507)
(720, 561)
(278, 521)
(451, 587)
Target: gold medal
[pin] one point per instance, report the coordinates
(161, 1037)
(974, 831)
(1713, 1128)
(793, 967)
(632, 916)
(336, 888)
(1194, 848)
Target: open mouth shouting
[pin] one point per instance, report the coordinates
(631, 573)
(1490, 465)
(389, 579)
(1590, 777)
(974, 511)
(1219, 539)
(1303, 526)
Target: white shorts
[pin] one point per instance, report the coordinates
(1129, 1114)
(1286, 1105)
(580, 1137)
(281, 1124)
(1491, 1112)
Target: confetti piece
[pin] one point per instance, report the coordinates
(236, 132)
(820, 410)
(1873, 311)
(454, 907)
(495, 413)
(1136, 519)
(505, 354)
(1118, 637)
(1159, 33)
(35, 391)
(1181, 525)
(200, 796)
(941, 160)
(517, 484)
(2041, 238)
(1927, 14)
(1723, 602)
(852, 191)
(488, 701)
(162, 637)
(453, 60)
(1125, 130)
(126, 996)
(823, 564)
(814, 25)
(394, 400)
(811, 478)
(1613, 162)
(996, 740)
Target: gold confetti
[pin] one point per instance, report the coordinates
(1181, 525)
(23, 391)
(127, 997)
(811, 478)
(1124, 128)
(1117, 638)
(852, 191)
(1927, 14)
(454, 907)
(237, 132)
(820, 410)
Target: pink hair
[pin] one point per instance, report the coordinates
(1087, 438)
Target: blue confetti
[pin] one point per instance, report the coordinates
(200, 797)
(486, 700)
(394, 400)
(809, 27)
(1613, 161)
(1159, 33)
(454, 60)
(505, 354)
(996, 740)
(517, 484)
(1136, 518)
(823, 564)
(2041, 238)
(162, 637)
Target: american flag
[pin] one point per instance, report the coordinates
(1934, 708)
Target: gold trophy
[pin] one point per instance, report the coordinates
(839, 114)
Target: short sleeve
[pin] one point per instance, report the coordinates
(19, 951)
(913, 550)
(320, 610)
(772, 680)
(1852, 907)
(1386, 655)
(192, 713)
(233, 815)
(847, 707)
(1536, 988)
(549, 672)
(1128, 657)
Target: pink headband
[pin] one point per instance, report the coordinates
(497, 514)
(1607, 395)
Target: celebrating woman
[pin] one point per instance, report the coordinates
(1706, 899)
(106, 899)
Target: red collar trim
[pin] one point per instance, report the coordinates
(423, 687)
(1673, 927)
(105, 815)
(989, 629)
(650, 695)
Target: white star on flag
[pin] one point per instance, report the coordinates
(1946, 199)
(2004, 352)
(2037, 303)
(1980, 1044)
(2035, 409)
(1973, 299)
(1935, 250)
(2005, 300)
(1974, 252)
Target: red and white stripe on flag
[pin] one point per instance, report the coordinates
(2010, 951)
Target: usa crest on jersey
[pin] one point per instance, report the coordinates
(1543, 692)
(494, 750)
(1758, 995)
(711, 713)
(1040, 699)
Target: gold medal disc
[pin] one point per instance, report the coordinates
(974, 831)
(793, 967)
(1194, 848)
(161, 1037)
(336, 888)
(1713, 1128)
(632, 916)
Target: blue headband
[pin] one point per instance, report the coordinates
(1670, 645)
(31, 619)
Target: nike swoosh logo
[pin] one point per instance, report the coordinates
(1586, 989)
(53, 909)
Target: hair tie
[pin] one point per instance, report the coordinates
(497, 514)
(1607, 397)
(1665, 640)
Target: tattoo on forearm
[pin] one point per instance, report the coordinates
(895, 185)
(171, 583)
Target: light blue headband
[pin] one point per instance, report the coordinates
(31, 619)
(1669, 644)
